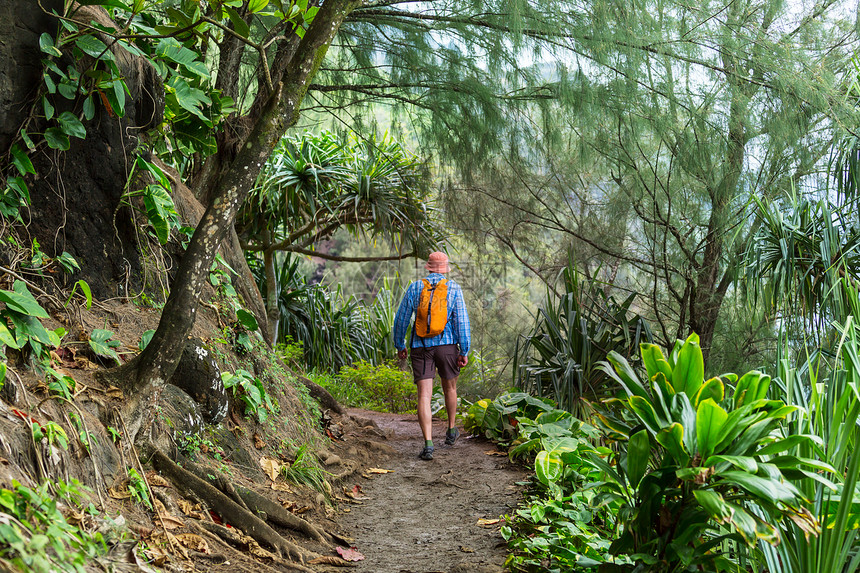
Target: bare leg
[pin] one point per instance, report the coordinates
(449, 387)
(425, 390)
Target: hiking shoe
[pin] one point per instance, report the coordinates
(426, 453)
(451, 436)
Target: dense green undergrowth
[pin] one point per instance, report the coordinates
(682, 473)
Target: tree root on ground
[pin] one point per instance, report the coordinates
(280, 516)
(258, 504)
(216, 480)
(229, 510)
(234, 539)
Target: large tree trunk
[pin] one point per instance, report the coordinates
(144, 378)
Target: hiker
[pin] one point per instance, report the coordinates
(440, 341)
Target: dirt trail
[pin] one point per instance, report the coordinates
(423, 517)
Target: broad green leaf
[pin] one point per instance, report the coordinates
(71, 125)
(25, 137)
(256, 5)
(713, 389)
(94, 47)
(239, 25)
(47, 108)
(101, 343)
(747, 440)
(673, 356)
(745, 463)
(89, 107)
(548, 467)
(713, 503)
(145, 339)
(20, 300)
(68, 262)
(638, 454)
(22, 161)
(56, 139)
(786, 444)
(85, 289)
(645, 411)
(2, 373)
(189, 98)
(747, 388)
(672, 438)
(766, 489)
(247, 320)
(689, 371)
(159, 209)
(28, 329)
(626, 376)
(664, 385)
(170, 49)
(19, 186)
(46, 44)
(6, 336)
(709, 422)
(654, 360)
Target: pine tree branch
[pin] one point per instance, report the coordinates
(341, 259)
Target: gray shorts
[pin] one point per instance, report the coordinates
(426, 360)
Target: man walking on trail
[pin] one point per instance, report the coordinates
(440, 341)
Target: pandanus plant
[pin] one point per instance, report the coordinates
(697, 462)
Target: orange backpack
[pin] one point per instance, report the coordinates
(432, 312)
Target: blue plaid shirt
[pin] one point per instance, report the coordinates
(457, 330)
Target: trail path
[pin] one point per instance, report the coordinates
(423, 517)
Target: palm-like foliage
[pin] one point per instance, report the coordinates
(573, 333)
(800, 255)
(314, 186)
(827, 391)
(335, 331)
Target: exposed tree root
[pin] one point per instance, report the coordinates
(216, 480)
(258, 504)
(229, 510)
(233, 538)
(322, 396)
(280, 516)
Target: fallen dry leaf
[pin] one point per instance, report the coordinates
(487, 522)
(379, 471)
(330, 560)
(258, 441)
(84, 363)
(190, 510)
(258, 552)
(122, 493)
(465, 549)
(73, 516)
(156, 480)
(168, 521)
(496, 453)
(349, 553)
(281, 487)
(354, 493)
(193, 542)
(271, 467)
(166, 542)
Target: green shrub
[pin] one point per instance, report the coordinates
(34, 533)
(383, 388)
